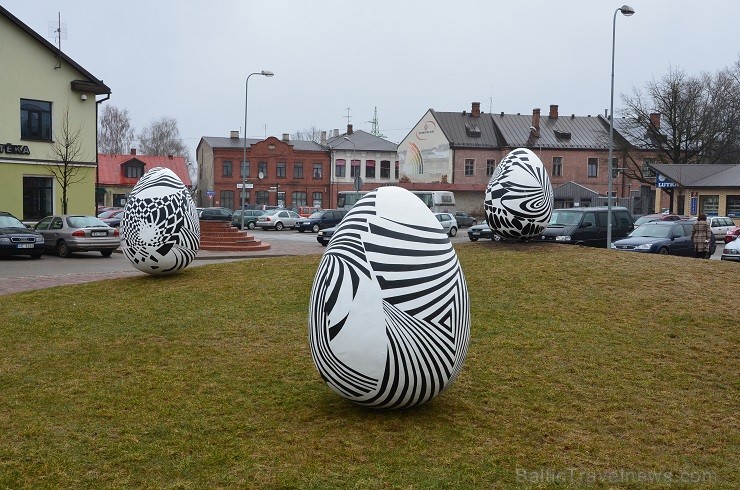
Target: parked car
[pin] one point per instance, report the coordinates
(720, 225)
(732, 234)
(476, 232)
(306, 211)
(77, 233)
(449, 223)
(216, 214)
(115, 220)
(464, 219)
(587, 225)
(109, 213)
(647, 218)
(731, 251)
(662, 237)
(323, 236)
(250, 218)
(278, 219)
(320, 220)
(17, 239)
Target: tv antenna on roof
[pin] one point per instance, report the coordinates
(58, 31)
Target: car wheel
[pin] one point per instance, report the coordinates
(250, 225)
(64, 249)
(106, 253)
(315, 228)
(473, 239)
(663, 251)
(453, 231)
(279, 226)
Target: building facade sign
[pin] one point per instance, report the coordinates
(11, 149)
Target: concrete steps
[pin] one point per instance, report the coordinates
(222, 237)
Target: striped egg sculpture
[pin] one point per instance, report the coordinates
(518, 201)
(160, 231)
(389, 314)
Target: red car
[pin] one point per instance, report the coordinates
(732, 234)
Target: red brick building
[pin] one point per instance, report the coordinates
(118, 174)
(278, 172)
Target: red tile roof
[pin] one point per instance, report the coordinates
(110, 170)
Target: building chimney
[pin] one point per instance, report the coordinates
(133, 151)
(349, 129)
(536, 119)
(323, 138)
(235, 134)
(286, 136)
(553, 111)
(475, 110)
(655, 120)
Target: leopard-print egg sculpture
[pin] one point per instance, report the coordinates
(518, 201)
(160, 231)
(389, 315)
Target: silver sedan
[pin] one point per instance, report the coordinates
(278, 219)
(78, 233)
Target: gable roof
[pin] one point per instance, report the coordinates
(227, 142)
(109, 167)
(463, 130)
(700, 175)
(573, 132)
(362, 141)
(89, 84)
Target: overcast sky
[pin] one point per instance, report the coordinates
(189, 59)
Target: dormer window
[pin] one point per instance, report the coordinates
(562, 135)
(133, 170)
(472, 130)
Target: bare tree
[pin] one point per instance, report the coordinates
(67, 151)
(683, 119)
(162, 137)
(115, 133)
(311, 134)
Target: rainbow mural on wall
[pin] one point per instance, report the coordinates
(414, 159)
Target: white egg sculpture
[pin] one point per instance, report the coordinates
(518, 201)
(160, 231)
(389, 314)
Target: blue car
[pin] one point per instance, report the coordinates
(661, 237)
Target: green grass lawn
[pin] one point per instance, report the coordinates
(585, 367)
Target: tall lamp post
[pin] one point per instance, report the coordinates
(265, 73)
(626, 10)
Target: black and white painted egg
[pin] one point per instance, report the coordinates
(389, 314)
(518, 201)
(160, 231)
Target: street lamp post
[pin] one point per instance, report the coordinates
(265, 73)
(626, 10)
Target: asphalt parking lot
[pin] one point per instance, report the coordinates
(23, 273)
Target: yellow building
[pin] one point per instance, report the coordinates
(48, 126)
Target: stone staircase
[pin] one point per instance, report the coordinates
(222, 237)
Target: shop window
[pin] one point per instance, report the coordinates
(709, 205)
(733, 206)
(227, 199)
(298, 198)
(37, 197)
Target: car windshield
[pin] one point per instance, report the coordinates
(10, 222)
(652, 230)
(84, 221)
(565, 217)
(645, 219)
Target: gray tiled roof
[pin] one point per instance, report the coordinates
(700, 175)
(561, 132)
(362, 140)
(463, 130)
(225, 142)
